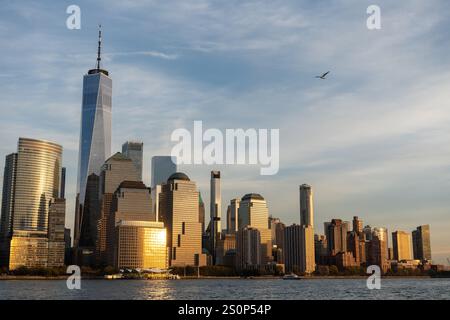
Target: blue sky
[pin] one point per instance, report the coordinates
(373, 140)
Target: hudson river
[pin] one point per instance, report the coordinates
(227, 289)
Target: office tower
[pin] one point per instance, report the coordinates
(215, 211)
(115, 170)
(299, 255)
(248, 247)
(376, 251)
(382, 234)
(56, 229)
(357, 225)
(353, 246)
(401, 245)
(253, 212)
(9, 183)
(178, 205)
(37, 170)
(136, 239)
(306, 205)
(95, 133)
(201, 212)
(421, 243)
(336, 233)
(135, 151)
(320, 248)
(232, 216)
(162, 168)
(62, 192)
(307, 263)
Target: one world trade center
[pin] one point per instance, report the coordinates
(95, 136)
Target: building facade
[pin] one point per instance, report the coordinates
(401, 245)
(178, 205)
(422, 243)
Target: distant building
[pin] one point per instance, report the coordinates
(56, 233)
(162, 168)
(179, 212)
(226, 244)
(201, 211)
(233, 216)
(357, 225)
(135, 151)
(254, 213)
(336, 234)
(62, 189)
(422, 243)
(321, 250)
(306, 205)
(215, 212)
(401, 244)
(299, 255)
(248, 251)
(277, 229)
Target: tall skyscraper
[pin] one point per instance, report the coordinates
(306, 205)
(307, 253)
(215, 211)
(95, 133)
(401, 244)
(179, 212)
(33, 178)
(162, 168)
(232, 216)
(135, 151)
(421, 243)
(253, 212)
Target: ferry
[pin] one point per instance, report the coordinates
(291, 276)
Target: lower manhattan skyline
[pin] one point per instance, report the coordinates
(372, 139)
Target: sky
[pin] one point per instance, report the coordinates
(373, 139)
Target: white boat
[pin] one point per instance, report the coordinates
(291, 276)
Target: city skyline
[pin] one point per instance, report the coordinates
(390, 173)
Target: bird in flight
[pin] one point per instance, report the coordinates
(324, 76)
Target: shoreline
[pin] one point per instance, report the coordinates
(43, 278)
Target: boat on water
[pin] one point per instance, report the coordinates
(291, 276)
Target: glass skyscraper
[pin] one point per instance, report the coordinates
(95, 134)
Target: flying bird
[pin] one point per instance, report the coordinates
(324, 76)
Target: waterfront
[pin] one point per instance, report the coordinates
(227, 289)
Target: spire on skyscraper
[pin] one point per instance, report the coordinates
(99, 58)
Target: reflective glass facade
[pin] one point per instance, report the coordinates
(95, 137)
(37, 182)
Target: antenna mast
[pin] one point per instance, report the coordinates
(99, 46)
